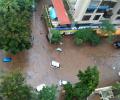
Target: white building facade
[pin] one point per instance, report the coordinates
(94, 11)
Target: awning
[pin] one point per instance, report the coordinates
(52, 13)
(61, 12)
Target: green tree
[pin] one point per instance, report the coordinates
(69, 94)
(116, 89)
(8, 6)
(94, 39)
(15, 25)
(15, 5)
(78, 41)
(56, 36)
(86, 35)
(88, 81)
(48, 93)
(13, 87)
(108, 28)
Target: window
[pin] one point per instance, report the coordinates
(96, 17)
(86, 17)
(100, 10)
(118, 11)
(118, 18)
(92, 6)
(106, 5)
(108, 14)
(89, 10)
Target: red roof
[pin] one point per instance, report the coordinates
(61, 12)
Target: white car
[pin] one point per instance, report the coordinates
(55, 64)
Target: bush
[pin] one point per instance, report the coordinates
(56, 36)
(81, 34)
(78, 41)
(86, 35)
(79, 37)
(95, 40)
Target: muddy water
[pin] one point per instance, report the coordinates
(78, 58)
(35, 63)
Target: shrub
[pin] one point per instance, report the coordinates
(78, 41)
(79, 37)
(81, 34)
(56, 36)
(94, 39)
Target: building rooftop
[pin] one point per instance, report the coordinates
(61, 12)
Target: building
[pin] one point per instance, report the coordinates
(93, 11)
(84, 13)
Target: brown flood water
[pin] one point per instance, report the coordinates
(35, 63)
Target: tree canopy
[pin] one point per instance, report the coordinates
(15, 23)
(48, 93)
(88, 81)
(13, 87)
(108, 28)
(56, 36)
(116, 90)
(86, 35)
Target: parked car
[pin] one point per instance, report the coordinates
(116, 44)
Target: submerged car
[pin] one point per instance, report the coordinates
(116, 44)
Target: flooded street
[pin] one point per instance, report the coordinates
(35, 63)
(79, 58)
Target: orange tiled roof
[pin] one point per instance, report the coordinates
(61, 12)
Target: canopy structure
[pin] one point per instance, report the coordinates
(52, 13)
(61, 12)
